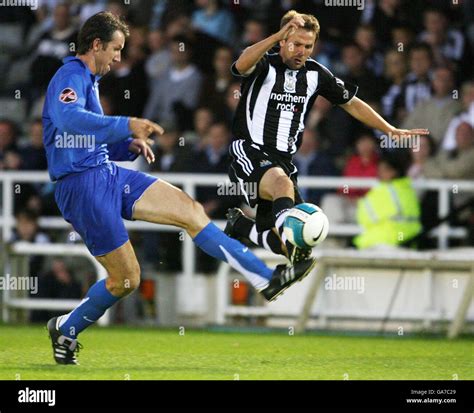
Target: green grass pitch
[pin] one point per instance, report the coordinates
(121, 353)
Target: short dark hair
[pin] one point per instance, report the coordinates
(14, 128)
(28, 214)
(100, 26)
(422, 46)
(399, 160)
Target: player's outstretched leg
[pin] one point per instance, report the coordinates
(277, 187)
(124, 277)
(165, 204)
(243, 228)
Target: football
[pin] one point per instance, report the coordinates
(306, 225)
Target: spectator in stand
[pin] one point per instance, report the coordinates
(357, 73)
(175, 94)
(467, 115)
(396, 69)
(389, 213)
(403, 37)
(25, 195)
(448, 44)
(214, 159)
(425, 151)
(214, 87)
(386, 14)
(455, 164)
(312, 161)
(254, 31)
(27, 230)
(59, 283)
(119, 8)
(8, 139)
(365, 38)
(362, 164)
(436, 113)
(126, 85)
(54, 45)
(159, 59)
(203, 120)
(417, 84)
(214, 20)
(173, 154)
(33, 155)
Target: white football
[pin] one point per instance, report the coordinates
(306, 225)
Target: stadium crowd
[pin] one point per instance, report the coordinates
(412, 61)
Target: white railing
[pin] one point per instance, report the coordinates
(189, 183)
(17, 261)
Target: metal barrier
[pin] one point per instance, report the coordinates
(12, 180)
(17, 258)
(429, 263)
(189, 183)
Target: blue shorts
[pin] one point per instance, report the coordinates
(96, 200)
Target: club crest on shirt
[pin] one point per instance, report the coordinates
(265, 162)
(68, 95)
(290, 81)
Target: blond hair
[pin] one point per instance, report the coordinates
(311, 23)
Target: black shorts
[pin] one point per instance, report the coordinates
(249, 164)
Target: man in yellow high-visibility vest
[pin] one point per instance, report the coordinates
(390, 212)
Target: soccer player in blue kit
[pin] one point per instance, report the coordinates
(95, 195)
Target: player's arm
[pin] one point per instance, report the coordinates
(364, 113)
(69, 114)
(249, 58)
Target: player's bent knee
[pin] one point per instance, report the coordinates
(196, 219)
(282, 186)
(125, 283)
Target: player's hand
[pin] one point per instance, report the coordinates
(141, 147)
(289, 28)
(143, 128)
(407, 133)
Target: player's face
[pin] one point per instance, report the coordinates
(297, 48)
(106, 57)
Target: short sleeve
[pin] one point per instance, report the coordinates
(259, 68)
(334, 89)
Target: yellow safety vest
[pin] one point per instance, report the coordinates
(389, 214)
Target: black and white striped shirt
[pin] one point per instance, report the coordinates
(275, 101)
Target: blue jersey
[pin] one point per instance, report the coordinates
(77, 136)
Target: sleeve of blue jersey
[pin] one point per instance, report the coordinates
(74, 118)
(119, 151)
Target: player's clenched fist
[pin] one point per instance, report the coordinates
(143, 128)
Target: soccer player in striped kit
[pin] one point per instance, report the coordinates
(277, 92)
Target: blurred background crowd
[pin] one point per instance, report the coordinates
(412, 61)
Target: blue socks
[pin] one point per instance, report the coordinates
(211, 240)
(92, 307)
(218, 245)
